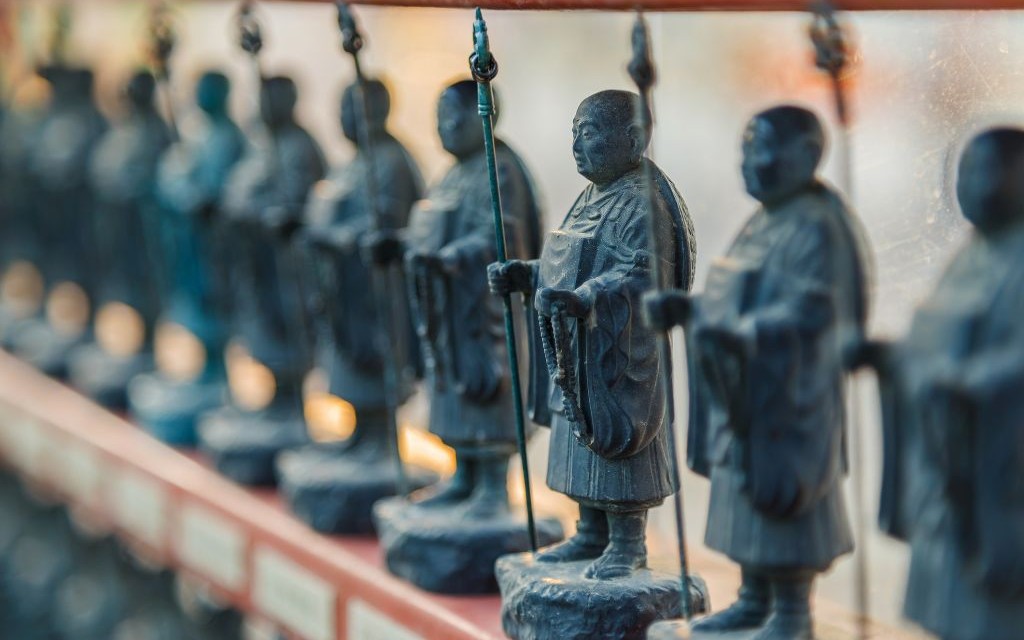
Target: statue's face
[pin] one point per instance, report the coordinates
(988, 185)
(603, 150)
(276, 105)
(211, 95)
(139, 92)
(458, 126)
(774, 167)
(349, 113)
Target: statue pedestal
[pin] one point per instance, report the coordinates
(438, 549)
(680, 630)
(45, 348)
(333, 487)
(553, 601)
(105, 377)
(169, 409)
(244, 445)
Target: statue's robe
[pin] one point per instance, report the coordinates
(460, 323)
(952, 471)
(617, 459)
(123, 172)
(348, 321)
(64, 214)
(191, 178)
(769, 418)
(272, 180)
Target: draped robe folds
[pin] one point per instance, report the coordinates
(602, 246)
(191, 178)
(952, 475)
(123, 171)
(273, 179)
(769, 417)
(460, 323)
(347, 327)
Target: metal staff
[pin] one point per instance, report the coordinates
(831, 56)
(163, 39)
(641, 69)
(484, 68)
(381, 278)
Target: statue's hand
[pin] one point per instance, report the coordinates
(382, 247)
(509, 277)
(666, 309)
(571, 302)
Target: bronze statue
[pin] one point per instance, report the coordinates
(190, 181)
(595, 381)
(953, 414)
(767, 415)
(62, 219)
(333, 486)
(126, 263)
(264, 201)
(446, 248)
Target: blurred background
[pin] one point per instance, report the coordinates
(920, 84)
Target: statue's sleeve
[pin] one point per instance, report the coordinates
(300, 165)
(624, 402)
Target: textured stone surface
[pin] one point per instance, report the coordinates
(333, 489)
(243, 446)
(553, 601)
(438, 550)
(669, 630)
(169, 409)
(105, 377)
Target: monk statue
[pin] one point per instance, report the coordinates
(595, 379)
(62, 219)
(190, 339)
(768, 417)
(123, 173)
(263, 203)
(333, 486)
(953, 414)
(446, 248)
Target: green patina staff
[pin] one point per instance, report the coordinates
(484, 68)
(382, 276)
(641, 70)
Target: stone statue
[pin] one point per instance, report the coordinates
(333, 486)
(595, 380)
(767, 416)
(953, 414)
(123, 173)
(191, 177)
(263, 202)
(446, 248)
(62, 221)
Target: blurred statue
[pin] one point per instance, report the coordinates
(191, 177)
(61, 218)
(123, 174)
(595, 380)
(263, 202)
(768, 416)
(953, 415)
(446, 248)
(333, 486)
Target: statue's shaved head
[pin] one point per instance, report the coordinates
(616, 108)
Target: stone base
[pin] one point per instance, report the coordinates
(244, 445)
(169, 409)
(45, 348)
(105, 377)
(680, 630)
(333, 487)
(553, 601)
(439, 550)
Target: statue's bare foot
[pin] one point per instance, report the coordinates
(578, 547)
(786, 626)
(618, 561)
(741, 616)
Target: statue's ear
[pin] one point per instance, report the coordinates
(638, 140)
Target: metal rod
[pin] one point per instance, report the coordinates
(831, 57)
(484, 68)
(641, 69)
(381, 277)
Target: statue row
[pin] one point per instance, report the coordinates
(381, 283)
